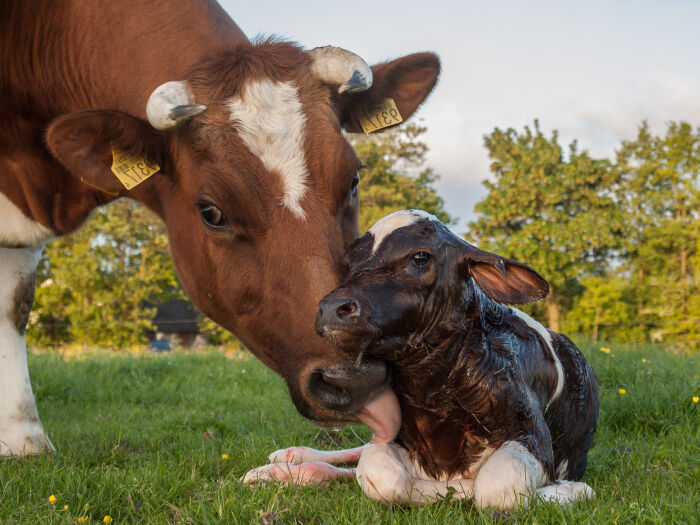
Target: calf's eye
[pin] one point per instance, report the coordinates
(212, 216)
(421, 259)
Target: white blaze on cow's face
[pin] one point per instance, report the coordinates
(270, 120)
(386, 225)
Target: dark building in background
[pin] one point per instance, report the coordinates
(176, 321)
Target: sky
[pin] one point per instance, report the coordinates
(591, 70)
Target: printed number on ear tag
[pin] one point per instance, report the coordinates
(130, 169)
(383, 115)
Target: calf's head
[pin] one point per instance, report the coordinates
(409, 276)
(258, 190)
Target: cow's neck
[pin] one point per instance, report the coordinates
(446, 420)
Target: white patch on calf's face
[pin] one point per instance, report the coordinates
(16, 229)
(384, 226)
(271, 122)
(537, 327)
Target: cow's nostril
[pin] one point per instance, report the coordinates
(347, 308)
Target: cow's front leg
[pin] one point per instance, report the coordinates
(508, 477)
(21, 433)
(387, 474)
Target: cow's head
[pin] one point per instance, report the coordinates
(410, 281)
(258, 189)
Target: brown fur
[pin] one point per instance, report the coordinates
(76, 75)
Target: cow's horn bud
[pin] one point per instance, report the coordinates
(170, 105)
(334, 65)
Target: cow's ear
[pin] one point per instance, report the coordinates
(83, 143)
(407, 81)
(502, 279)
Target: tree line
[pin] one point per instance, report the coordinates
(616, 239)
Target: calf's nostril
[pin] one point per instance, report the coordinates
(347, 308)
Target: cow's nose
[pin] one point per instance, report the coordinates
(336, 312)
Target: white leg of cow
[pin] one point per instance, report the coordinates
(21, 433)
(508, 477)
(387, 474)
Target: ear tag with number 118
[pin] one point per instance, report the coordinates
(131, 170)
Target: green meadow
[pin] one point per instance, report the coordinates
(164, 439)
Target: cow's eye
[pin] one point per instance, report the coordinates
(421, 259)
(212, 216)
(355, 182)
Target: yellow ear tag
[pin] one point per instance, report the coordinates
(383, 115)
(131, 170)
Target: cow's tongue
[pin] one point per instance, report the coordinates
(383, 416)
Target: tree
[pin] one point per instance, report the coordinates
(95, 286)
(395, 177)
(659, 190)
(553, 211)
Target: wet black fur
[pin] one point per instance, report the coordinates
(468, 372)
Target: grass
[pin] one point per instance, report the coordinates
(141, 438)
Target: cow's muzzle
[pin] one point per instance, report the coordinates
(347, 387)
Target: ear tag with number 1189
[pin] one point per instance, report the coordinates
(383, 115)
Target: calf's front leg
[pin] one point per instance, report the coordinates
(512, 475)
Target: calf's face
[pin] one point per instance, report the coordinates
(408, 276)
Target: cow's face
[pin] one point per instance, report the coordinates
(260, 196)
(409, 277)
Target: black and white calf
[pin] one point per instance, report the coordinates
(493, 405)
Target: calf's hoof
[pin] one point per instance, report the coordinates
(566, 492)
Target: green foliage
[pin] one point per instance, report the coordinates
(552, 210)
(141, 439)
(659, 187)
(395, 177)
(93, 287)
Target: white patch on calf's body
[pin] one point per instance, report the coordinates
(386, 225)
(271, 122)
(21, 432)
(16, 229)
(547, 337)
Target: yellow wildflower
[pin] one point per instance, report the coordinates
(605, 350)
(622, 391)
(65, 507)
(82, 519)
(107, 519)
(52, 499)
(696, 399)
(644, 360)
(224, 456)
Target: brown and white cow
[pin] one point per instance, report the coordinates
(257, 184)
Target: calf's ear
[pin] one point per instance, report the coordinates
(503, 280)
(82, 142)
(407, 80)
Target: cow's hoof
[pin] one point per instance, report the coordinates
(566, 492)
(36, 444)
